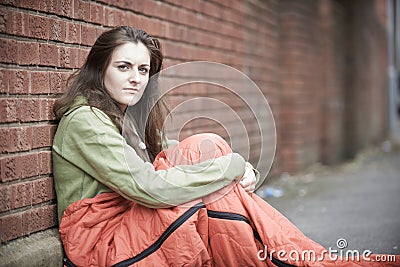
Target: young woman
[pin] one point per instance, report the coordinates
(89, 151)
(116, 208)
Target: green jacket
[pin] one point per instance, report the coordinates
(90, 157)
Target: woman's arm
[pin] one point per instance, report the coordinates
(94, 144)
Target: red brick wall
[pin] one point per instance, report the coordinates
(366, 75)
(332, 63)
(300, 94)
(333, 80)
(297, 52)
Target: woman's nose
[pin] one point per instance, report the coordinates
(134, 77)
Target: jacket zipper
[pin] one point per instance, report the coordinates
(156, 245)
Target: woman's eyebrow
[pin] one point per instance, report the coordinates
(123, 61)
(130, 63)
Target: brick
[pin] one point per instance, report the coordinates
(81, 10)
(10, 2)
(58, 81)
(9, 19)
(65, 58)
(29, 4)
(20, 166)
(18, 81)
(9, 49)
(46, 109)
(57, 30)
(124, 17)
(16, 23)
(110, 17)
(8, 110)
(75, 57)
(115, 17)
(73, 33)
(48, 54)
(194, 5)
(39, 219)
(88, 35)
(43, 190)
(133, 18)
(3, 20)
(96, 13)
(27, 165)
(45, 162)
(15, 139)
(5, 198)
(8, 168)
(21, 194)
(166, 12)
(28, 53)
(29, 110)
(157, 28)
(4, 77)
(151, 6)
(65, 8)
(50, 6)
(99, 31)
(43, 135)
(39, 27)
(40, 82)
(212, 10)
(144, 23)
(11, 226)
(83, 53)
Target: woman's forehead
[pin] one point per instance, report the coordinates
(132, 52)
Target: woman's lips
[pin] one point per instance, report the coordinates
(131, 90)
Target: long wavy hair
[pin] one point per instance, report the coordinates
(88, 81)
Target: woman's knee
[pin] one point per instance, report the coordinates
(204, 146)
(192, 150)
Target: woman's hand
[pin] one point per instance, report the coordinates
(248, 181)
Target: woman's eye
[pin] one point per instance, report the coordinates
(123, 67)
(144, 70)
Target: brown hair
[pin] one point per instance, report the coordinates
(88, 81)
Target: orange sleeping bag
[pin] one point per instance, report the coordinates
(227, 228)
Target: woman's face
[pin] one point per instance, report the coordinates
(127, 74)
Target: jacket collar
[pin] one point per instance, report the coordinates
(79, 101)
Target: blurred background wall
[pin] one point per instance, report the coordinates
(322, 65)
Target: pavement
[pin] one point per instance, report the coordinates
(357, 202)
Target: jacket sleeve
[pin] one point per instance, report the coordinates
(94, 144)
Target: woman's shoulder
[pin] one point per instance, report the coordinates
(86, 116)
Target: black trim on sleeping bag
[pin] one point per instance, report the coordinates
(238, 217)
(234, 217)
(67, 262)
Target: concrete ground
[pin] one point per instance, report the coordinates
(42, 249)
(358, 201)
